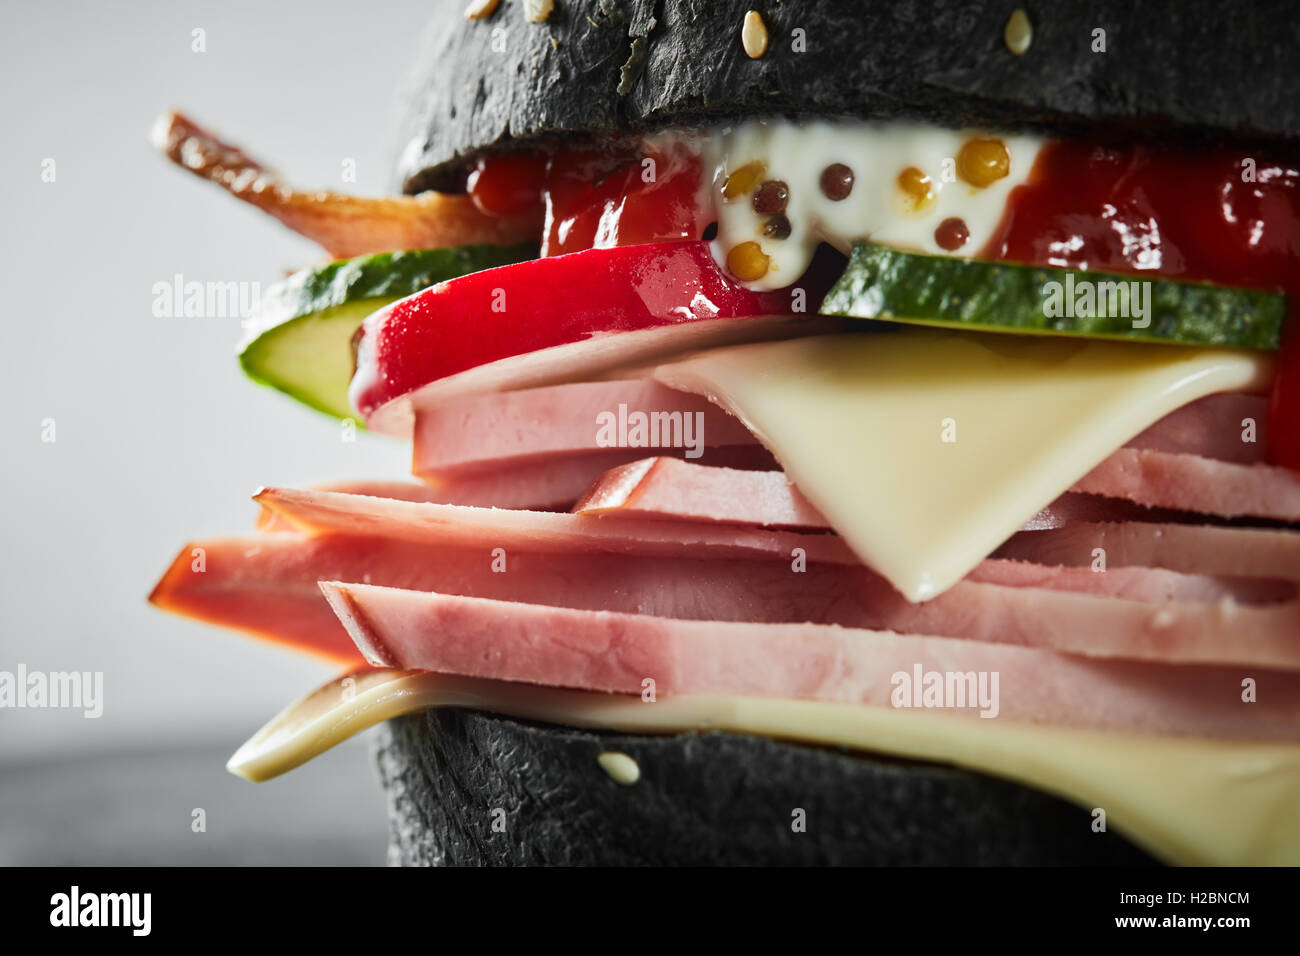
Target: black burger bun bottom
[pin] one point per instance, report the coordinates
(1199, 67)
(467, 788)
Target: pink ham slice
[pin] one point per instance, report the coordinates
(549, 484)
(268, 520)
(1176, 484)
(322, 511)
(265, 585)
(603, 651)
(1150, 584)
(1191, 483)
(1212, 427)
(671, 488)
(1137, 484)
(1194, 549)
(1129, 613)
(480, 432)
(555, 483)
(491, 431)
(667, 488)
(537, 448)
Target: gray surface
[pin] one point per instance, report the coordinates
(135, 808)
(599, 64)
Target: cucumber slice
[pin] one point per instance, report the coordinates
(302, 341)
(884, 283)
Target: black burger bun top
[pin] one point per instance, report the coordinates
(1199, 67)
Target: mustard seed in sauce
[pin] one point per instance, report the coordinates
(778, 227)
(982, 161)
(742, 181)
(771, 197)
(951, 234)
(837, 182)
(748, 262)
(917, 187)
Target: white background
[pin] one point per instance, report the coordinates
(160, 439)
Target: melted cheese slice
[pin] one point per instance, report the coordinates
(1185, 800)
(926, 448)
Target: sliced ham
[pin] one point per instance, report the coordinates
(539, 447)
(1128, 613)
(1192, 483)
(266, 585)
(1229, 427)
(1150, 584)
(486, 431)
(496, 430)
(1194, 549)
(322, 511)
(672, 488)
(550, 484)
(603, 651)
(268, 520)
(555, 483)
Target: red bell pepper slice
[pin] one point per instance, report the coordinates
(487, 316)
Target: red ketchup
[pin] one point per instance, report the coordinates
(504, 184)
(597, 198)
(1225, 216)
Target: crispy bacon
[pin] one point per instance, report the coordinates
(344, 226)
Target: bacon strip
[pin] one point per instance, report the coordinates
(344, 226)
(602, 651)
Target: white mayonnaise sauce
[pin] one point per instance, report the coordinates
(876, 208)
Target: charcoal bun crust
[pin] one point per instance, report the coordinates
(467, 788)
(1198, 67)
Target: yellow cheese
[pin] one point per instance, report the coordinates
(927, 448)
(1186, 800)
